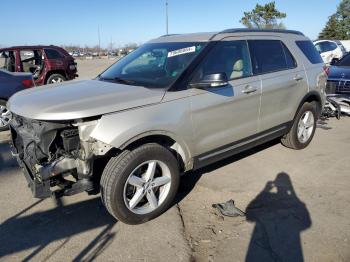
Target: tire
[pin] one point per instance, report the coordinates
(307, 113)
(127, 184)
(5, 116)
(55, 78)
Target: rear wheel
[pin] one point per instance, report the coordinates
(141, 184)
(5, 116)
(55, 78)
(303, 129)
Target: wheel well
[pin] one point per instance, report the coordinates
(317, 99)
(50, 73)
(163, 140)
(311, 97)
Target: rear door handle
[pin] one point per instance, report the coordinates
(249, 89)
(298, 78)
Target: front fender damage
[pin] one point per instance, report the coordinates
(57, 157)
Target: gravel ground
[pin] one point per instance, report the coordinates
(296, 204)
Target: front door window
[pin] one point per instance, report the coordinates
(8, 61)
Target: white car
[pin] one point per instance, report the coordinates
(330, 50)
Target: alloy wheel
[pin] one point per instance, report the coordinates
(147, 187)
(56, 80)
(305, 126)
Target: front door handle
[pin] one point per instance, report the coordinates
(249, 89)
(298, 78)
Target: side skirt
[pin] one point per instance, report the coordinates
(241, 145)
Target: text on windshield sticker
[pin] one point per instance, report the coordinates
(182, 51)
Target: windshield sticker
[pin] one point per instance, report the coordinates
(182, 51)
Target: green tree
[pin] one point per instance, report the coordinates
(330, 31)
(338, 24)
(263, 17)
(343, 15)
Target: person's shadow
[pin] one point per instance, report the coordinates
(279, 218)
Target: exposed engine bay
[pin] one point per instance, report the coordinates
(56, 154)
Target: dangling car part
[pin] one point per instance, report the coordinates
(331, 109)
(336, 105)
(343, 102)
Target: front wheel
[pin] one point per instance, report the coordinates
(303, 129)
(141, 184)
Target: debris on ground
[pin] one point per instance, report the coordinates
(229, 209)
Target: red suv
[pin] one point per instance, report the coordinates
(48, 64)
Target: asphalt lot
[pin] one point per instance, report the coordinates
(297, 206)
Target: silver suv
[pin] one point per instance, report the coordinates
(177, 103)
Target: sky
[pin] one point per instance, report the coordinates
(76, 22)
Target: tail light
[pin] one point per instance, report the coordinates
(326, 69)
(27, 83)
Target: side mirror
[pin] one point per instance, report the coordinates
(211, 80)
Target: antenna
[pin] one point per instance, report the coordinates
(166, 17)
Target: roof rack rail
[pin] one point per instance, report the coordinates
(247, 30)
(168, 35)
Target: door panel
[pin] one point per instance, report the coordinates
(224, 115)
(281, 91)
(283, 81)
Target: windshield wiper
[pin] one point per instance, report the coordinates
(119, 80)
(124, 81)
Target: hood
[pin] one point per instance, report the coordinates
(80, 99)
(339, 73)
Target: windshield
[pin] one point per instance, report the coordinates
(154, 65)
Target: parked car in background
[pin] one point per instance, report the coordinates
(11, 83)
(47, 64)
(177, 103)
(330, 50)
(346, 44)
(339, 77)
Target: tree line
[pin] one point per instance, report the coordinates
(269, 17)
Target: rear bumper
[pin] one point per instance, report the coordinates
(71, 76)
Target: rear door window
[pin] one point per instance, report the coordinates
(270, 56)
(310, 51)
(31, 60)
(291, 63)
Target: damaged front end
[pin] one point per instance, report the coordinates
(56, 157)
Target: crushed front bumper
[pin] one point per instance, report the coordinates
(39, 188)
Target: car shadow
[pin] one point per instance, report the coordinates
(279, 218)
(21, 232)
(190, 179)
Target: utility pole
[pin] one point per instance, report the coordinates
(166, 15)
(99, 40)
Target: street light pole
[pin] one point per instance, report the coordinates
(99, 40)
(166, 14)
